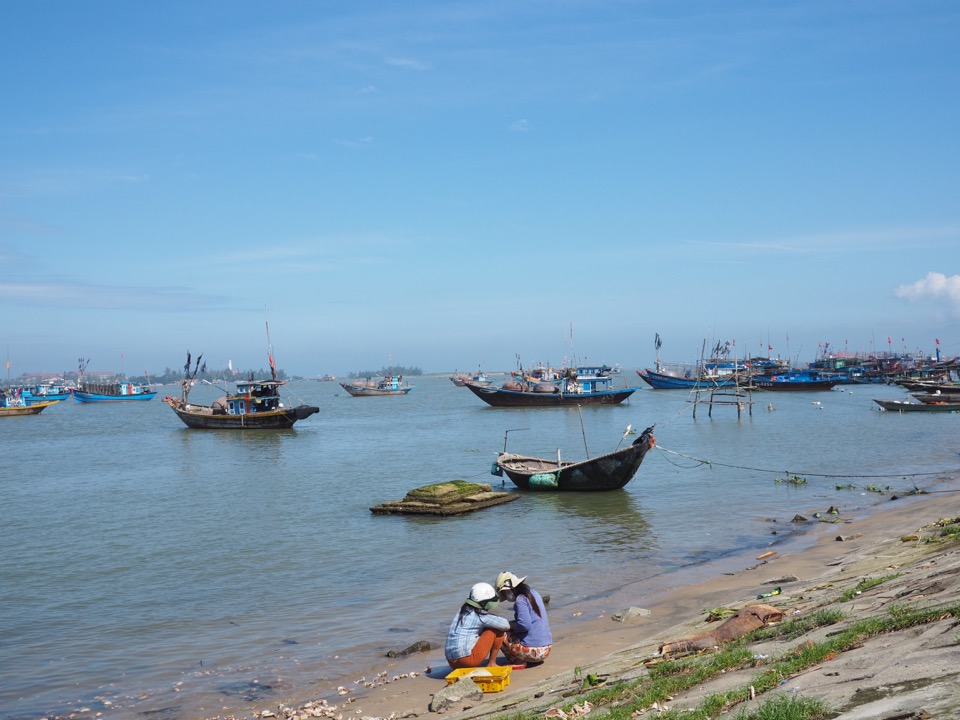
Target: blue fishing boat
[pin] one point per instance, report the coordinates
(795, 380)
(94, 392)
(688, 378)
(50, 391)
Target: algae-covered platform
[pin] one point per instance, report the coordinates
(453, 497)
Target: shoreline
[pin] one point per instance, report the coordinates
(404, 687)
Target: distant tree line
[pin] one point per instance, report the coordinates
(391, 370)
(169, 375)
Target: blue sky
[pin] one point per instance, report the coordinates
(452, 184)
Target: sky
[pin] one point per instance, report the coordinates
(453, 185)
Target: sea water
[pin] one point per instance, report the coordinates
(150, 568)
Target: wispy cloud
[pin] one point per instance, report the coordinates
(935, 287)
(408, 64)
(521, 126)
(841, 242)
(357, 143)
(80, 296)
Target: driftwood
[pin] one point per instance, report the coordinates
(744, 621)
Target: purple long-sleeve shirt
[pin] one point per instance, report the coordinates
(529, 628)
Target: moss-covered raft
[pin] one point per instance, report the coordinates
(453, 497)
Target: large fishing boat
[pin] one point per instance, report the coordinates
(254, 405)
(93, 392)
(580, 386)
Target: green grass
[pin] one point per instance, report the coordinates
(863, 586)
(787, 708)
(672, 677)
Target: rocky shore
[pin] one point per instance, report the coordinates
(901, 561)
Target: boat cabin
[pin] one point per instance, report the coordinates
(254, 397)
(587, 380)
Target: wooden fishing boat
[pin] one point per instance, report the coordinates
(478, 378)
(255, 405)
(389, 385)
(606, 472)
(687, 380)
(907, 406)
(16, 402)
(582, 386)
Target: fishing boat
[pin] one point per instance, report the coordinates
(580, 386)
(689, 378)
(606, 472)
(907, 406)
(254, 405)
(50, 391)
(389, 385)
(94, 392)
(795, 380)
(461, 379)
(15, 402)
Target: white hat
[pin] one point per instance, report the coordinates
(481, 593)
(508, 580)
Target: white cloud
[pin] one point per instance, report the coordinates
(521, 126)
(408, 64)
(935, 286)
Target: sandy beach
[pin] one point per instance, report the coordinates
(894, 675)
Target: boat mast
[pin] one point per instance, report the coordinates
(273, 368)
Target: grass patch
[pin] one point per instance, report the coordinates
(863, 586)
(622, 701)
(787, 708)
(792, 480)
(792, 629)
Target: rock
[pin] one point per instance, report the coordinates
(463, 689)
(782, 579)
(630, 613)
(419, 646)
(854, 536)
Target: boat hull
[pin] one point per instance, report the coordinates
(902, 406)
(607, 472)
(20, 410)
(89, 397)
(360, 391)
(662, 381)
(498, 397)
(202, 417)
(794, 385)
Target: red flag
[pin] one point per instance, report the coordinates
(769, 347)
(938, 341)
(889, 341)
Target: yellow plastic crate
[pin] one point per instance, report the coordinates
(490, 679)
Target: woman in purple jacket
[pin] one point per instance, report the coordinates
(529, 640)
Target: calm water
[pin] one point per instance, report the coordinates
(146, 566)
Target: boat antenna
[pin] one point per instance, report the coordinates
(582, 432)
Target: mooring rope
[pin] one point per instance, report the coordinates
(713, 463)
